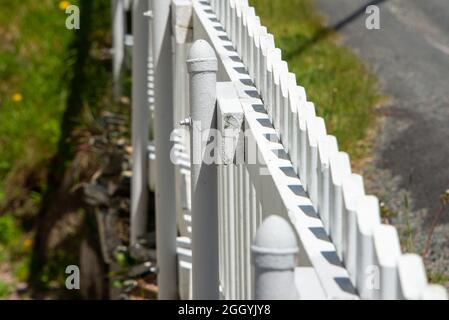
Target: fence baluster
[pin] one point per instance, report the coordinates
(340, 168)
(368, 218)
(165, 199)
(353, 190)
(118, 45)
(140, 124)
(306, 112)
(317, 130)
(273, 56)
(412, 280)
(327, 147)
(295, 97)
(387, 251)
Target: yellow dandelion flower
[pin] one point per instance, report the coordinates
(17, 97)
(64, 5)
(27, 244)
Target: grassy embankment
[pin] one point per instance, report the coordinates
(344, 92)
(44, 99)
(33, 52)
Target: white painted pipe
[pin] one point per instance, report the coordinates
(140, 124)
(166, 231)
(203, 66)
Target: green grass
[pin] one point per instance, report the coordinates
(42, 100)
(34, 69)
(343, 90)
(5, 290)
(438, 278)
(10, 231)
(33, 62)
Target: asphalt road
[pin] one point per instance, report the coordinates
(410, 55)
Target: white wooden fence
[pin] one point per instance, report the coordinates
(276, 158)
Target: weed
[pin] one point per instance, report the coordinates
(444, 202)
(438, 278)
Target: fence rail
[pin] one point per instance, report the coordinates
(273, 157)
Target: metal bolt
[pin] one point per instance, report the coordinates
(149, 14)
(187, 122)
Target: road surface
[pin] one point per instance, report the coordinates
(410, 55)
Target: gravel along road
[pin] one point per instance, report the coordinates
(410, 55)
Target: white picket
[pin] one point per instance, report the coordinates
(273, 57)
(253, 34)
(280, 68)
(340, 168)
(327, 148)
(248, 14)
(353, 190)
(367, 219)
(266, 42)
(258, 32)
(412, 280)
(387, 251)
(306, 112)
(316, 131)
(287, 81)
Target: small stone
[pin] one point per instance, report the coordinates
(22, 288)
(125, 101)
(96, 194)
(129, 150)
(121, 142)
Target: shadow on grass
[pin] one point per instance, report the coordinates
(57, 200)
(324, 32)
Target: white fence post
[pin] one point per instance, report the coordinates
(203, 66)
(274, 257)
(182, 24)
(165, 198)
(118, 44)
(140, 124)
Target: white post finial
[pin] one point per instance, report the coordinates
(274, 257)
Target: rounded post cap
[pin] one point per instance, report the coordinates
(275, 236)
(202, 57)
